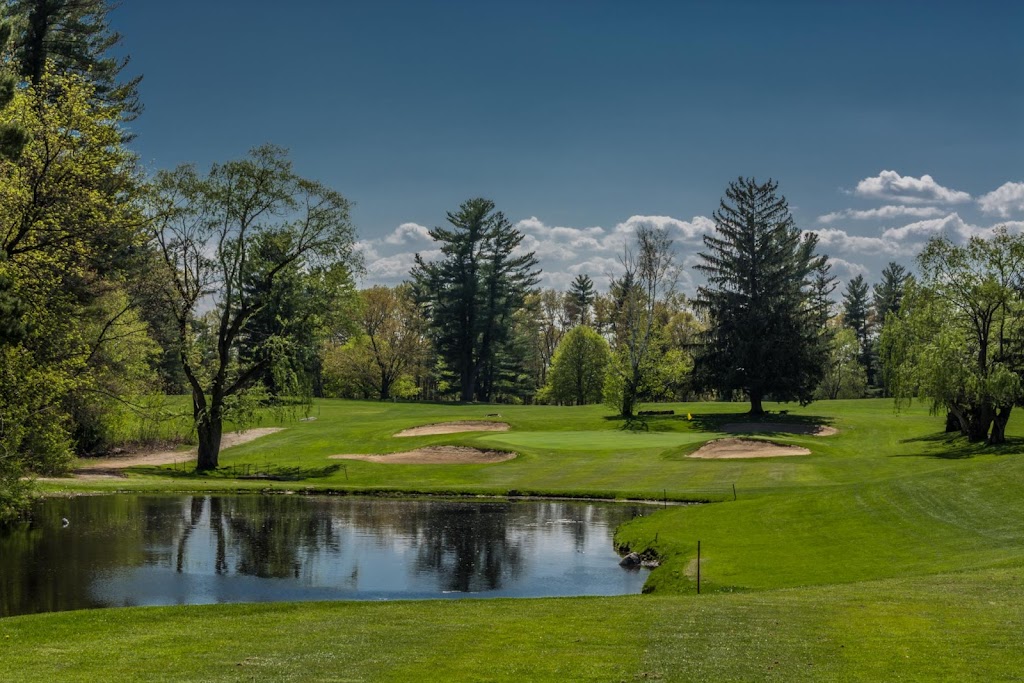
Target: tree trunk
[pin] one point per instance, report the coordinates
(999, 425)
(385, 386)
(979, 419)
(209, 429)
(952, 422)
(755, 403)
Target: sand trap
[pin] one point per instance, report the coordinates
(117, 462)
(455, 428)
(734, 449)
(435, 455)
(784, 427)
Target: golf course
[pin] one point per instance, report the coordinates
(890, 551)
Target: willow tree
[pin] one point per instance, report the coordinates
(765, 336)
(956, 340)
(205, 227)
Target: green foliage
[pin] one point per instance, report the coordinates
(856, 316)
(765, 335)
(75, 38)
(580, 300)
(69, 221)
(844, 374)
(229, 239)
(649, 279)
(578, 368)
(955, 339)
(470, 296)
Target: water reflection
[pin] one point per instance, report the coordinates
(145, 550)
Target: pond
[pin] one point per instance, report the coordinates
(126, 550)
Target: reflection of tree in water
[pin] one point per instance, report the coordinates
(468, 545)
(267, 536)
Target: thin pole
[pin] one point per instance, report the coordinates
(698, 567)
(734, 491)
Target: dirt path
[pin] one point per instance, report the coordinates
(435, 455)
(455, 427)
(96, 466)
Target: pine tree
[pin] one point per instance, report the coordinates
(75, 36)
(764, 336)
(472, 294)
(581, 300)
(856, 317)
(888, 294)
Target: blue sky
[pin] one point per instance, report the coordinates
(884, 122)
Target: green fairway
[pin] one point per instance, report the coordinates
(891, 551)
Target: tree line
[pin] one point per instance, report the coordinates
(236, 286)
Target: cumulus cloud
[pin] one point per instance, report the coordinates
(891, 186)
(882, 212)
(409, 232)
(1004, 200)
(951, 226)
(837, 239)
(847, 270)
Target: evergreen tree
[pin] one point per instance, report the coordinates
(472, 294)
(75, 36)
(888, 294)
(764, 336)
(581, 299)
(856, 316)
(888, 297)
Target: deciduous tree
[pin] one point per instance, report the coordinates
(204, 227)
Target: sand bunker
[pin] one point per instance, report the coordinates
(784, 427)
(734, 449)
(436, 455)
(118, 462)
(455, 428)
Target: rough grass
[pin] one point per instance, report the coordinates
(892, 552)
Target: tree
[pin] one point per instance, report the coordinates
(472, 293)
(888, 294)
(844, 374)
(956, 338)
(649, 277)
(75, 37)
(856, 316)
(580, 300)
(764, 332)
(204, 228)
(577, 371)
(296, 311)
(394, 331)
(70, 227)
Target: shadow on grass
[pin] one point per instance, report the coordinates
(954, 446)
(726, 422)
(261, 471)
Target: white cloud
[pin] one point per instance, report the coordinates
(408, 232)
(685, 230)
(883, 212)
(837, 239)
(1004, 200)
(951, 226)
(847, 269)
(890, 185)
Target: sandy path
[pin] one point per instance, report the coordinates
(783, 427)
(435, 455)
(734, 449)
(455, 427)
(168, 457)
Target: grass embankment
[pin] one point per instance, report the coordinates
(890, 552)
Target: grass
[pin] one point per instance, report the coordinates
(893, 551)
